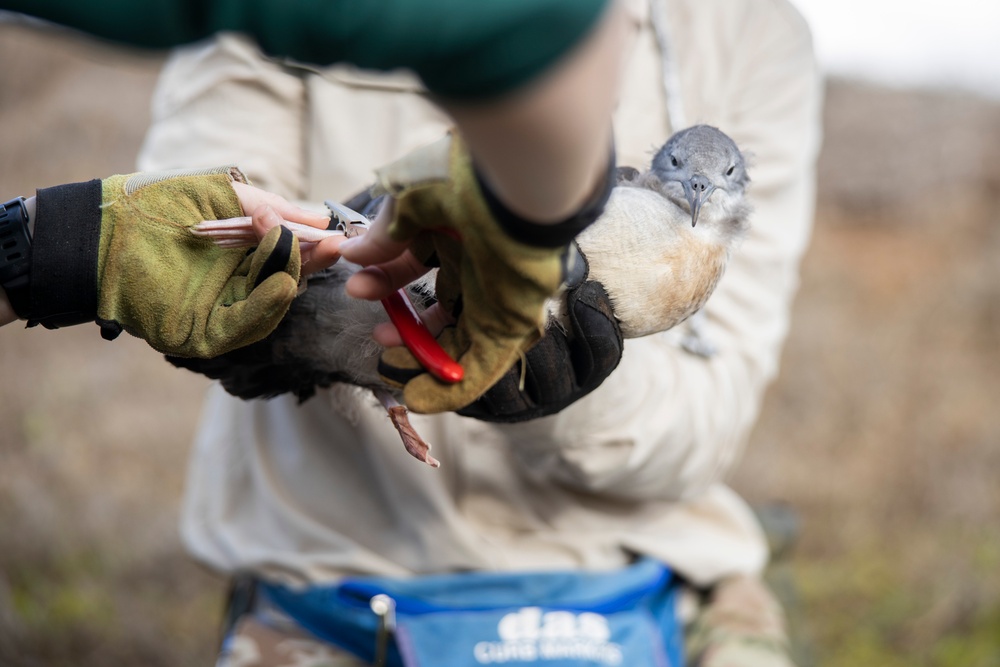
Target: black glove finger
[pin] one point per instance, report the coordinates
(596, 344)
(503, 402)
(548, 379)
(560, 369)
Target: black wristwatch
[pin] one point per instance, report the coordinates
(15, 254)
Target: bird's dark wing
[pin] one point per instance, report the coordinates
(290, 360)
(251, 372)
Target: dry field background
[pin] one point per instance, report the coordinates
(882, 432)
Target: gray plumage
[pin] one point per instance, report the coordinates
(696, 162)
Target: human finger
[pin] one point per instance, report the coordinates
(318, 256)
(251, 198)
(379, 281)
(375, 246)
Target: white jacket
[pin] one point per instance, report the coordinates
(322, 490)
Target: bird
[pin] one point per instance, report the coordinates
(657, 269)
(659, 249)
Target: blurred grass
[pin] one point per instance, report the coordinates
(875, 612)
(882, 430)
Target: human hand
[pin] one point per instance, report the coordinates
(268, 210)
(571, 360)
(494, 286)
(182, 294)
(561, 368)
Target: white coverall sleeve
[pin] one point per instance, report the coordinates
(667, 424)
(220, 103)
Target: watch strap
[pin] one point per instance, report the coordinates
(15, 255)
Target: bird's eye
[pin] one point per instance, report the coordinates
(674, 161)
(730, 172)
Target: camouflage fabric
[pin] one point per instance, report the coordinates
(740, 625)
(256, 643)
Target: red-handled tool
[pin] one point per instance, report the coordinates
(418, 339)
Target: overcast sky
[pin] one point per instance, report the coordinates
(953, 43)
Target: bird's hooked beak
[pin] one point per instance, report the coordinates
(697, 190)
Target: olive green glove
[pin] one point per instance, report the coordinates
(497, 287)
(182, 294)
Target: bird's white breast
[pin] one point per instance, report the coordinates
(653, 265)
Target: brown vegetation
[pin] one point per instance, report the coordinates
(881, 431)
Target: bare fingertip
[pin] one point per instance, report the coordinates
(349, 244)
(386, 335)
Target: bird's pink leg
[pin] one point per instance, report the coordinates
(414, 444)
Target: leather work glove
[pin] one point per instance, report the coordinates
(182, 294)
(495, 286)
(562, 367)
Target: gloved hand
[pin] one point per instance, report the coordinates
(560, 369)
(495, 286)
(184, 295)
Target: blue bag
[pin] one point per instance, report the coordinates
(621, 618)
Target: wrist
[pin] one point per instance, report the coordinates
(552, 234)
(29, 208)
(7, 314)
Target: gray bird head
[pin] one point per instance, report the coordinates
(697, 162)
